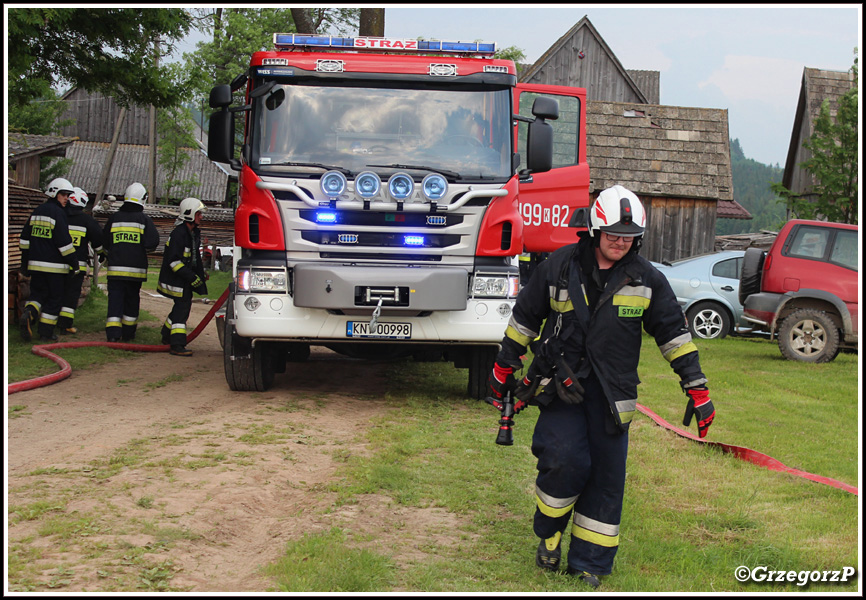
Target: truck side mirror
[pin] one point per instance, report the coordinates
(539, 147)
(220, 96)
(539, 135)
(545, 108)
(220, 138)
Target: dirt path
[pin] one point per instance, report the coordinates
(157, 476)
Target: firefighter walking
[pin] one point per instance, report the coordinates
(86, 236)
(128, 236)
(590, 301)
(48, 257)
(182, 273)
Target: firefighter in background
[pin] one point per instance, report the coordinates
(592, 298)
(182, 273)
(128, 236)
(48, 257)
(86, 237)
(528, 261)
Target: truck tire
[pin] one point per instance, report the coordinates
(247, 369)
(750, 276)
(480, 365)
(708, 321)
(809, 335)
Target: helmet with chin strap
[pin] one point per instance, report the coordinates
(619, 212)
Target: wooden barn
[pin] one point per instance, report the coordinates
(676, 159)
(94, 118)
(817, 85)
(25, 152)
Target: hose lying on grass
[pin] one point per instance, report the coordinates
(65, 371)
(748, 455)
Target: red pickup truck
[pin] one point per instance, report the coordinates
(804, 289)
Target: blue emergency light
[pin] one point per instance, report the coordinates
(326, 217)
(413, 240)
(288, 41)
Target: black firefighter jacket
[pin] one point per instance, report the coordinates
(128, 236)
(608, 339)
(45, 243)
(85, 232)
(182, 269)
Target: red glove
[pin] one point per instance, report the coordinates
(701, 405)
(501, 380)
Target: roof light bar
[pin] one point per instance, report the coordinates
(287, 41)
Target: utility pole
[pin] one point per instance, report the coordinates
(151, 187)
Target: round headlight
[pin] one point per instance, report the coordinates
(401, 186)
(367, 184)
(434, 187)
(333, 184)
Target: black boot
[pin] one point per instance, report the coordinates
(549, 552)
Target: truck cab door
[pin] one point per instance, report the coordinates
(548, 201)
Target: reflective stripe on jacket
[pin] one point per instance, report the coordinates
(128, 236)
(636, 297)
(45, 243)
(181, 263)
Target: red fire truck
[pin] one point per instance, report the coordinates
(386, 187)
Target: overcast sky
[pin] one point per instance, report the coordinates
(748, 59)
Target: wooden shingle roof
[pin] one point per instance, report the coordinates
(131, 163)
(23, 145)
(657, 150)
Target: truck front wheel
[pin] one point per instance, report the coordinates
(247, 369)
(809, 335)
(480, 365)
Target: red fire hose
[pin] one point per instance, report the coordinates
(66, 370)
(748, 455)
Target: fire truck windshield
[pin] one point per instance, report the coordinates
(298, 129)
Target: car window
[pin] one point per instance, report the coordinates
(728, 268)
(845, 249)
(809, 242)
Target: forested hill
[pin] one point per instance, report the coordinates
(752, 190)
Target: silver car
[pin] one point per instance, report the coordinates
(707, 288)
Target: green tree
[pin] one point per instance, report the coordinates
(834, 163)
(512, 53)
(97, 49)
(752, 181)
(175, 129)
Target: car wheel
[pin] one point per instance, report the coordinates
(708, 321)
(750, 276)
(809, 335)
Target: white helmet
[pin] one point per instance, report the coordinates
(78, 198)
(136, 194)
(58, 186)
(188, 208)
(617, 211)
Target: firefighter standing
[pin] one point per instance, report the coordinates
(128, 236)
(48, 257)
(595, 295)
(86, 236)
(182, 273)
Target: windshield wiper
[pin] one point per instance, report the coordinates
(445, 172)
(342, 170)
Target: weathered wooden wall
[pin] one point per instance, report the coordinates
(95, 117)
